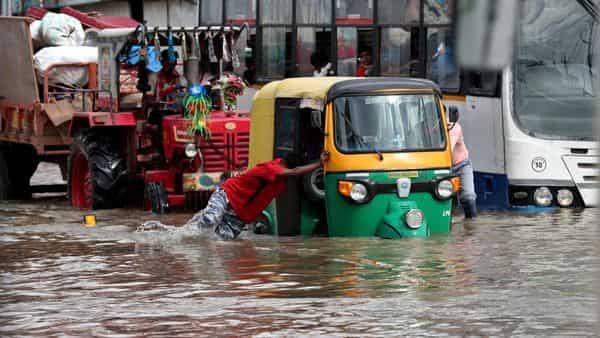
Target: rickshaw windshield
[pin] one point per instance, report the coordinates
(388, 123)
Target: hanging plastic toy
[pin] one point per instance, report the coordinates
(197, 106)
(172, 58)
(233, 86)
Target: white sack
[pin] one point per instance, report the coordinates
(62, 30)
(69, 76)
(36, 34)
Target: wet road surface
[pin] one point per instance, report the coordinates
(511, 273)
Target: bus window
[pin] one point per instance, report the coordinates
(347, 44)
(438, 12)
(275, 11)
(313, 44)
(313, 12)
(351, 43)
(354, 12)
(482, 83)
(276, 48)
(240, 11)
(398, 12)
(441, 67)
(211, 12)
(398, 51)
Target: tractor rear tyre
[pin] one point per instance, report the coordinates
(4, 182)
(98, 175)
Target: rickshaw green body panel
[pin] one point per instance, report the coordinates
(383, 216)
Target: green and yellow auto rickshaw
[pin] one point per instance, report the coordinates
(389, 168)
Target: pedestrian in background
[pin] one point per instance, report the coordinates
(461, 165)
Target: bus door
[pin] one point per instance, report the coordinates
(483, 131)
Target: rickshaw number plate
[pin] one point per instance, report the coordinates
(403, 185)
(400, 174)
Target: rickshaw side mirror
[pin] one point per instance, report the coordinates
(452, 114)
(315, 119)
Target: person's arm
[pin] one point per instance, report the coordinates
(298, 171)
(455, 135)
(305, 169)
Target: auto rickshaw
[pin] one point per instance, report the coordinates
(389, 168)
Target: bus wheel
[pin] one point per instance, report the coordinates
(97, 172)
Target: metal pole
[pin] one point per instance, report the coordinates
(168, 14)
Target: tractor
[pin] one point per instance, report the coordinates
(117, 141)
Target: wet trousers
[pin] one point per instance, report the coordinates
(466, 195)
(219, 214)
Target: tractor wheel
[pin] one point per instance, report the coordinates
(98, 175)
(156, 195)
(21, 162)
(4, 182)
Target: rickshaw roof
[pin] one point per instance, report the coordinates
(327, 88)
(364, 86)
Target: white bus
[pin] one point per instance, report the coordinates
(530, 129)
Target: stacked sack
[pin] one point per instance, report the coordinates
(61, 37)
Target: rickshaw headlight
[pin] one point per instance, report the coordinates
(414, 218)
(191, 150)
(359, 192)
(542, 197)
(445, 189)
(355, 191)
(564, 198)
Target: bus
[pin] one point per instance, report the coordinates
(530, 129)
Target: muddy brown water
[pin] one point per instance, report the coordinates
(503, 274)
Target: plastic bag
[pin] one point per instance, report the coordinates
(69, 76)
(35, 29)
(133, 57)
(62, 30)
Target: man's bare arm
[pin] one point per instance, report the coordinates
(298, 171)
(305, 169)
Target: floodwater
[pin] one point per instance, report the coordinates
(521, 274)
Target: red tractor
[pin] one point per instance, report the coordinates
(109, 149)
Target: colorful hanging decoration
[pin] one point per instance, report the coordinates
(197, 106)
(232, 86)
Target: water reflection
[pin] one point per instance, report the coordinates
(502, 274)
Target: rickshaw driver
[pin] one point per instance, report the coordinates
(242, 198)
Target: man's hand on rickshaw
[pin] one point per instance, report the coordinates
(324, 157)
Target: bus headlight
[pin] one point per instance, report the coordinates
(444, 189)
(542, 197)
(414, 218)
(564, 198)
(191, 150)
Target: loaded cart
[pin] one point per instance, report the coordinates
(117, 138)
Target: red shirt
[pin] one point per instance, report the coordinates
(251, 192)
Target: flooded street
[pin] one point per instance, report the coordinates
(502, 274)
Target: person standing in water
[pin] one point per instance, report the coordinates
(461, 165)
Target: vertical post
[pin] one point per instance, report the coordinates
(169, 14)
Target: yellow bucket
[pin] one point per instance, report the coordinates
(89, 220)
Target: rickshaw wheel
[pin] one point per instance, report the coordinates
(314, 185)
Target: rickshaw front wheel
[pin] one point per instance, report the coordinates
(313, 185)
